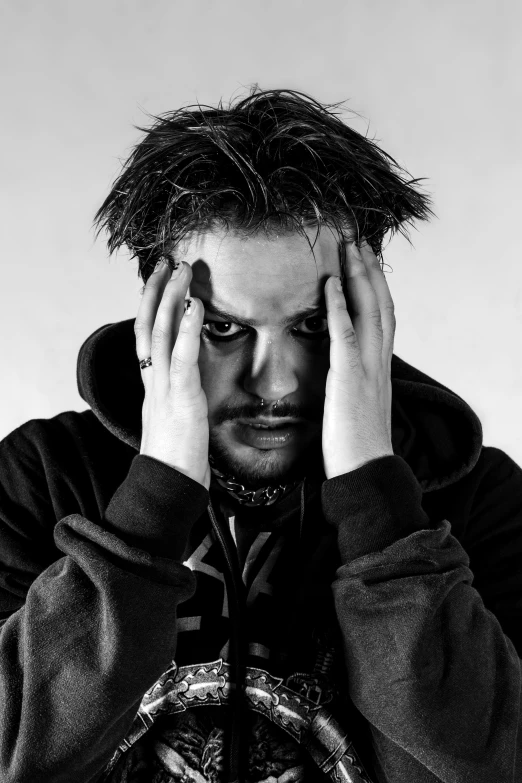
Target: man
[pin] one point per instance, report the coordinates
(272, 550)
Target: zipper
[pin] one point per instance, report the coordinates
(236, 608)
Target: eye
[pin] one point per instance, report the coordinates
(221, 335)
(316, 333)
(317, 324)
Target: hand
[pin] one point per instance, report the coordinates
(175, 411)
(357, 410)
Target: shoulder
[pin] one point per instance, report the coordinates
(496, 477)
(494, 539)
(61, 436)
(494, 474)
(62, 460)
(493, 536)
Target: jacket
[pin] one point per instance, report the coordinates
(388, 649)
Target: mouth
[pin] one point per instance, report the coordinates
(275, 435)
(270, 424)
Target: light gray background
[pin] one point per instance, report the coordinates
(438, 84)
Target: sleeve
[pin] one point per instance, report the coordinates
(429, 666)
(83, 639)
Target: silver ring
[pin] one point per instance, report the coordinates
(145, 363)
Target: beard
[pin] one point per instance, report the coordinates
(267, 467)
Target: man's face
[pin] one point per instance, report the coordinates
(278, 356)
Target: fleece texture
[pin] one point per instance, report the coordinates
(100, 582)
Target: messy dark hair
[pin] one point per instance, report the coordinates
(276, 158)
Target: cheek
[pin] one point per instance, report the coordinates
(217, 374)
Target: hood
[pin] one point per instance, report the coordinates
(433, 429)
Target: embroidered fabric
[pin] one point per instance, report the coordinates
(297, 725)
(189, 748)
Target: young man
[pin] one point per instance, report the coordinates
(271, 550)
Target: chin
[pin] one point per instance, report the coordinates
(258, 468)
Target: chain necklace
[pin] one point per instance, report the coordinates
(265, 496)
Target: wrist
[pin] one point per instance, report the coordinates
(155, 507)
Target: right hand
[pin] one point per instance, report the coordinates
(175, 410)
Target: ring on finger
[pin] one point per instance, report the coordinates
(145, 363)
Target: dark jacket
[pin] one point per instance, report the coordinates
(408, 569)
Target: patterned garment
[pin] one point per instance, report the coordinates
(294, 669)
(191, 747)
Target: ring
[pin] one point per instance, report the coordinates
(145, 363)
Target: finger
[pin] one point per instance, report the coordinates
(363, 304)
(151, 297)
(384, 297)
(345, 352)
(185, 378)
(167, 321)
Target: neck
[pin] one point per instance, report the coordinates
(264, 496)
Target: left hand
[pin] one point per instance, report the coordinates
(357, 408)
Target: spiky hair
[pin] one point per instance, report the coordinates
(277, 158)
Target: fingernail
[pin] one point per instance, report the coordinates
(160, 264)
(356, 252)
(177, 268)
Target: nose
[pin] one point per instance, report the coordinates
(271, 371)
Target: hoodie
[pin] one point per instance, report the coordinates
(369, 629)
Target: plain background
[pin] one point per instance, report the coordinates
(437, 84)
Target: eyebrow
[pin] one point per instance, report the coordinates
(296, 318)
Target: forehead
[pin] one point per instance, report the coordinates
(261, 277)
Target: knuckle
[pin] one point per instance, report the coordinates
(377, 333)
(159, 334)
(375, 316)
(178, 364)
(376, 342)
(389, 310)
(347, 334)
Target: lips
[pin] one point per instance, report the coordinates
(274, 424)
(269, 437)
(267, 427)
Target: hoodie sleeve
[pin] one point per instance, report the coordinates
(84, 635)
(429, 666)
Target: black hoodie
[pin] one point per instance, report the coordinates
(381, 607)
